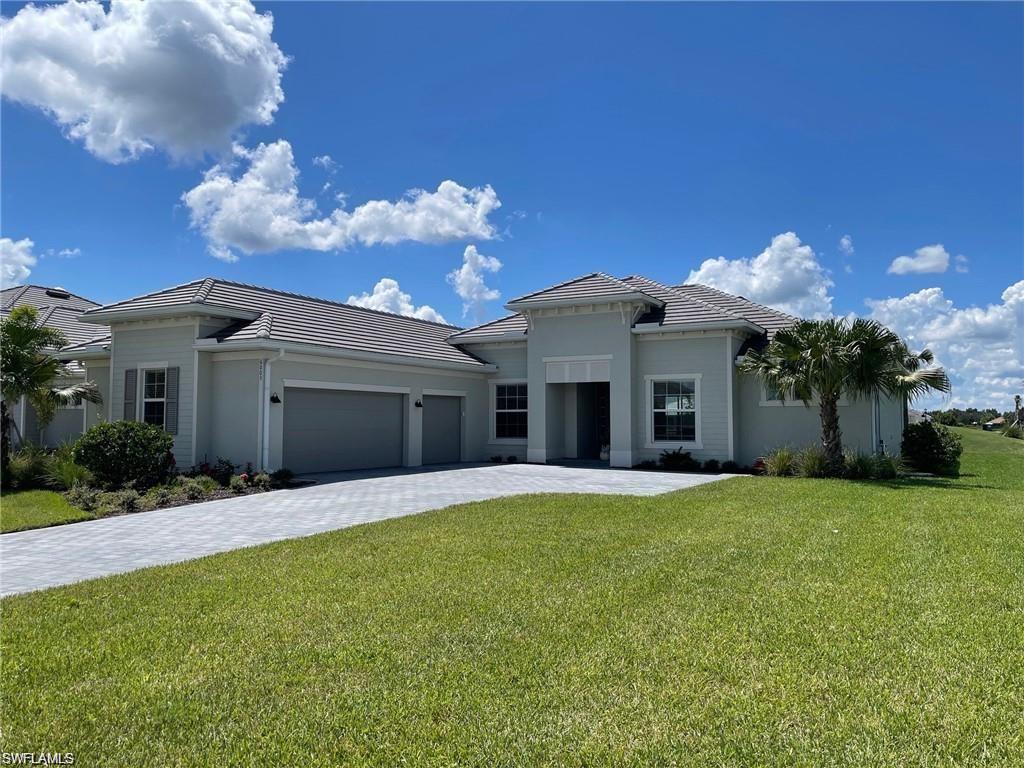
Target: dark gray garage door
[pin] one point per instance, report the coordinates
(326, 430)
(442, 429)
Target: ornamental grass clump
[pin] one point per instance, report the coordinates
(780, 462)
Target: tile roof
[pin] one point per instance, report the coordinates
(672, 305)
(294, 318)
(40, 296)
(510, 324)
(58, 309)
(770, 319)
(678, 309)
(596, 285)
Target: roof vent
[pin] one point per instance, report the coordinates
(58, 293)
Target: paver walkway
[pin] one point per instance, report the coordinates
(48, 557)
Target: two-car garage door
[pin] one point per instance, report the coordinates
(327, 430)
(330, 430)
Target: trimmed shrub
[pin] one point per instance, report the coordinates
(931, 447)
(812, 462)
(859, 466)
(282, 478)
(512, 459)
(712, 465)
(886, 467)
(497, 459)
(780, 462)
(237, 484)
(83, 497)
(161, 495)
(731, 467)
(646, 464)
(119, 502)
(261, 481)
(27, 468)
(195, 489)
(122, 452)
(222, 470)
(678, 460)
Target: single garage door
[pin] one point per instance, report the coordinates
(328, 430)
(442, 429)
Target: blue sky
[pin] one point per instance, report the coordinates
(620, 138)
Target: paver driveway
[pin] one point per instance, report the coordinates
(64, 554)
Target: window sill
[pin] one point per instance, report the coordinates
(696, 445)
(508, 441)
(793, 403)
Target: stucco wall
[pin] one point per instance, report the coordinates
(233, 408)
(763, 427)
(581, 335)
(707, 356)
(510, 358)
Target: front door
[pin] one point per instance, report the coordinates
(593, 419)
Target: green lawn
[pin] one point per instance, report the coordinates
(22, 510)
(751, 622)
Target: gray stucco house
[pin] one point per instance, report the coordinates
(62, 310)
(590, 368)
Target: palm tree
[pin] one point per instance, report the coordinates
(28, 369)
(827, 359)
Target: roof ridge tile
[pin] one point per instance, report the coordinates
(203, 291)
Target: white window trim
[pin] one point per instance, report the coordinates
(493, 419)
(764, 402)
(698, 441)
(140, 403)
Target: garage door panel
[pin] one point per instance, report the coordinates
(442, 429)
(328, 430)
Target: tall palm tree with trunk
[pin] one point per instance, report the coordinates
(28, 369)
(827, 359)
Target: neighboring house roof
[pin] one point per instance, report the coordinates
(996, 422)
(40, 296)
(268, 315)
(596, 285)
(57, 308)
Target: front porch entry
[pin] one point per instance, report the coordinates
(593, 422)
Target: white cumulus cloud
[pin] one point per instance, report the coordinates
(961, 263)
(16, 261)
(786, 275)
(980, 347)
(261, 210)
(388, 296)
(846, 245)
(179, 75)
(928, 259)
(468, 281)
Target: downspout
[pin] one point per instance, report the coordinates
(265, 459)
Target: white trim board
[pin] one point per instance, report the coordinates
(492, 403)
(344, 386)
(574, 358)
(649, 442)
(445, 393)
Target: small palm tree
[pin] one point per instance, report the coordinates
(27, 369)
(831, 358)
